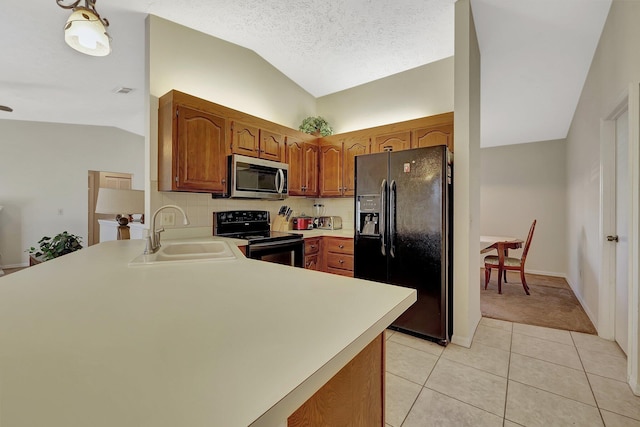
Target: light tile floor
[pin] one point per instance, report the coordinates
(512, 375)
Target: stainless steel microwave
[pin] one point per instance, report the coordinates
(253, 178)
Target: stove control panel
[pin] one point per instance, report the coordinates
(233, 222)
(232, 217)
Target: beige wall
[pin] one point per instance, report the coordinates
(615, 66)
(422, 91)
(44, 168)
(466, 195)
(207, 67)
(224, 73)
(520, 183)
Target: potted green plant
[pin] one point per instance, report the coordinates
(51, 248)
(316, 126)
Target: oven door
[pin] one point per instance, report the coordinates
(289, 252)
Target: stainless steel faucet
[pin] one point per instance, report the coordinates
(153, 239)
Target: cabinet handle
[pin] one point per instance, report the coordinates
(223, 180)
(341, 261)
(313, 246)
(341, 246)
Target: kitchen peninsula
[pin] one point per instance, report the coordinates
(85, 339)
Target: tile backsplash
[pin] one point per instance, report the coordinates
(200, 206)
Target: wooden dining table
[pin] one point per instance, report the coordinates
(502, 244)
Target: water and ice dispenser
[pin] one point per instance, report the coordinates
(368, 215)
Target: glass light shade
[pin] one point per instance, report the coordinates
(86, 33)
(124, 202)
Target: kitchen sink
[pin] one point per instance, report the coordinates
(216, 250)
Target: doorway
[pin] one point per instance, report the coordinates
(620, 240)
(621, 125)
(96, 180)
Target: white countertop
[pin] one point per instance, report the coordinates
(87, 340)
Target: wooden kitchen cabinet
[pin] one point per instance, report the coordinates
(191, 148)
(392, 142)
(312, 253)
(352, 147)
(355, 396)
(433, 135)
(302, 158)
(311, 161)
(337, 255)
(330, 177)
(245, 139)
(271, 146)
(337, 165)
(255, 142)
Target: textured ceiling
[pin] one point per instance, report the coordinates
(327, 46)
(535, 54)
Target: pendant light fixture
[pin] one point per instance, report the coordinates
(85, 30)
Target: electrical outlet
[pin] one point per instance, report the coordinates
(168, 218)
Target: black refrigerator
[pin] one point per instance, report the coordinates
(403, 215)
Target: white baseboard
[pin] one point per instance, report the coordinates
(462, 341)
(465, 341)
(540, 272)
(546, 273)
(581, 301)
(8, 266)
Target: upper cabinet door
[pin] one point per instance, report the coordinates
(295, 159)
(352, 147)
(245, 140)
(201, 151)
(330, 170)
(433, 135)
(392, 142)
(310, 181)
(271, 146)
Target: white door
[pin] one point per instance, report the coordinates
(622, 247)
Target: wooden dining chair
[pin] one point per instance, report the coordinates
(509, 263)
(124, 232)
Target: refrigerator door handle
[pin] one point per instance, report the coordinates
(392, 219)
(383, 208)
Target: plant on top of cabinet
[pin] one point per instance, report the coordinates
(316, 126)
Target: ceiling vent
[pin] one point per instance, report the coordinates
(123, 90)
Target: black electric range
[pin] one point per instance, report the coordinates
(262, 243)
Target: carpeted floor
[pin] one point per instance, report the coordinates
(551, 304)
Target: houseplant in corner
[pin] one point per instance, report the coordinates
(50, 248)
(316, 126)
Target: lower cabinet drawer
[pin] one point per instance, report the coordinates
(340, 261)
(334, 244)
(348, 273)
(311, 262)
(311, 246)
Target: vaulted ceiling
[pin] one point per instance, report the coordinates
(535, 54)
